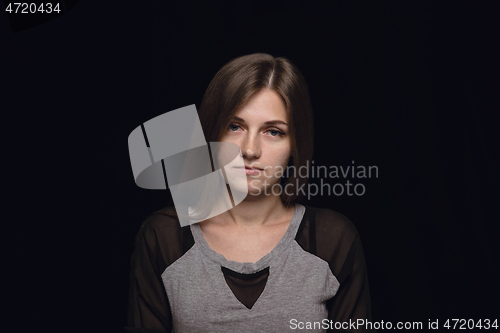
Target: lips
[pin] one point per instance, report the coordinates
(248, 170)
(251, 168)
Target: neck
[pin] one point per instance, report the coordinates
(256, 211)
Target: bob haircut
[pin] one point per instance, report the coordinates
(235, 84)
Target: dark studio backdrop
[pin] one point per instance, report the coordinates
(406, 86)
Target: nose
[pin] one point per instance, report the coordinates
(250, 147)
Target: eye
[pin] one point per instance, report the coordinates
(275, 132)
(233, 127)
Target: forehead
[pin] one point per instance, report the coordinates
(264, 106)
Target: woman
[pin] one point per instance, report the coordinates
(269, 264)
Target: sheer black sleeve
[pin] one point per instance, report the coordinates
(352, 301)
(332, 237)
(159, 242)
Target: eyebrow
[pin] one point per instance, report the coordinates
(271, 122)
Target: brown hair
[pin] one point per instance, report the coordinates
(240, 79)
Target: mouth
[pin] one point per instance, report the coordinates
(249, 170)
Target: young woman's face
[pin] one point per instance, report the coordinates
(260, 128)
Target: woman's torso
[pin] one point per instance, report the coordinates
(209, 293)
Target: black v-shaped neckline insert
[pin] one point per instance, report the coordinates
(247, 288)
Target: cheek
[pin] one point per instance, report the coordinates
(279, 157)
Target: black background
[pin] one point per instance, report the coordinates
(407, 86)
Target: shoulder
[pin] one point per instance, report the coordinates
(332, 223)
(163, 235)
(162, 221)
(326, 232)
(334, 238)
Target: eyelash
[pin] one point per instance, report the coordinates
(280, 133)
